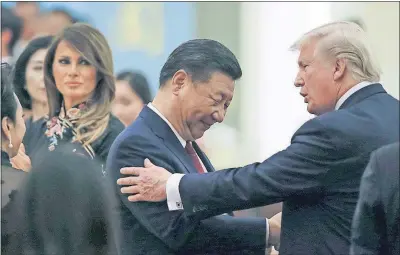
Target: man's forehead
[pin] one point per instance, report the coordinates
(223, 89)
(306, 53)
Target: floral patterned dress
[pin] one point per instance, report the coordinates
(47, 135)
(62, 128)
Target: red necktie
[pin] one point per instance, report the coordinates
(193, 155)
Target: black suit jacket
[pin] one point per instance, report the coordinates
(150, 228)
(376, 222)
(317, 176)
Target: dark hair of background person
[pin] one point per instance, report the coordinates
(200, 58)
(63, 208)
(19, 75)
(9, 105)
(11, 21)
(138, 83)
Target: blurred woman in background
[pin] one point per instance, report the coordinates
(29, 87)
(62, 208)
(28, 79)
(78, 75)
(132, 94)
(12, 132)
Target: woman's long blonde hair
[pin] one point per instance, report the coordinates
(93, 46)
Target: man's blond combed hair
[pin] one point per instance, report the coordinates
(344, 40)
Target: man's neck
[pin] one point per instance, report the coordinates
(71, 102)
(347, 84)
(167, 108)
(39, 109)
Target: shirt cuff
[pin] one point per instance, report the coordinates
(174, 200)
(267, 234)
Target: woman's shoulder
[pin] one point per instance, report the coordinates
(34, 134)
(114, 128)
(115, 125)
(39, 123)
(11, 180)
(102, 145)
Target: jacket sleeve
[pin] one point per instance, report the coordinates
(299, 170)
(365, 237)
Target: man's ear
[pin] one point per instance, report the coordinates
(179, 80)
(340, 68)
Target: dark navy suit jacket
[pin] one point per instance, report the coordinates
(317, 177)
(150, 228)
(376, 222)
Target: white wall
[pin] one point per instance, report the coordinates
(275, 107)
(381, 21)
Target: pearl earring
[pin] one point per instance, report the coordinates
(10, 144)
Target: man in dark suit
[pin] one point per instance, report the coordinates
(376, 222)
(196, 87)
(11, 27)
(317, 177)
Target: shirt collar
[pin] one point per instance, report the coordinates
(350, 92)
(154, 109)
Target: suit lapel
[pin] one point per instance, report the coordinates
(163, 131)
(173, 144)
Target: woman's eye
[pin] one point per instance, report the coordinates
(63, 61)
(38, 68)
(84, 62)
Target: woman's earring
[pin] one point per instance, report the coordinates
(10, 144)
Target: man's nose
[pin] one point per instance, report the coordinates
(219, 115)
(298, 82)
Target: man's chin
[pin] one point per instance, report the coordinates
(198, 134)
(310, 109)
(317, 111)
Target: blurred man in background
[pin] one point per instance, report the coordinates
(55, 20)
(376, 222)
(29, 13)
(11, 27)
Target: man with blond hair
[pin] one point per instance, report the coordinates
(317, 177)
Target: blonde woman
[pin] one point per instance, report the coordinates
(78, 74)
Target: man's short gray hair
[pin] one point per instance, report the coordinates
(345, 40)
